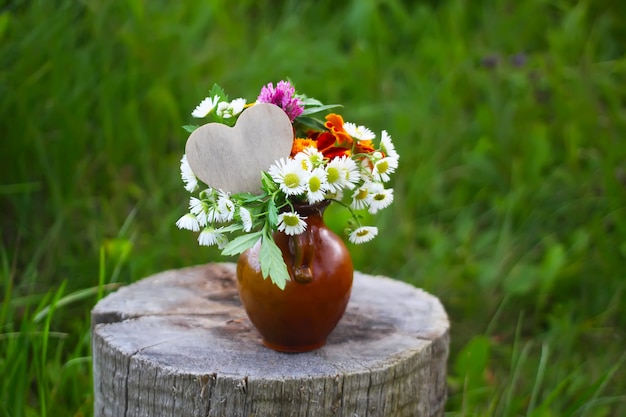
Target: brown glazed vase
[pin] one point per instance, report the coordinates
(300, 317)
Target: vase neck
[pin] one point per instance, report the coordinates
(313, 210)
(302, 246)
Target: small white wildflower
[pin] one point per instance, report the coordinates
(228, 110)
(334, 195)
(384, 167)
(196, 206)
(351, 174)
(310, 158)
(246, 219)
(189, 178)
(387, 145)
(188, 222)
(342, 173)
(379, 198)
(205, 107)
(363, 234)
(211, 236)
(316, 185)
(358, 132)
(213, 213)
(289, 175)
(361, 197)
(291, 223)
(225, 208)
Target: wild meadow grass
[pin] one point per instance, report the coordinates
(510, 120)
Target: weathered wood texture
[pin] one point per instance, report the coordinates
(179, 344)
(220, 155)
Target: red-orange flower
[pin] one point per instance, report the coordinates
(334, 123)
(326, 144)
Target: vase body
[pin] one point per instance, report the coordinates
(300, 317)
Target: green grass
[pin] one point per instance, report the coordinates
(510, 197)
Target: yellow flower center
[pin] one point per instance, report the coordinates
(316, 159)
(291, 220)
(382, 167)
(362, 233)
(362, 194)
(314, 184)
(333, 175)
(379, 197)
(292, 180)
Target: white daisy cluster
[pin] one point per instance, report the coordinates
(212, 208)
(223, 109)
(310, 177)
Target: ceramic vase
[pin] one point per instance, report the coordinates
(300, 317)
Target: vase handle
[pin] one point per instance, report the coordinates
(303, 249)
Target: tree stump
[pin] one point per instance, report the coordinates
(179, 343)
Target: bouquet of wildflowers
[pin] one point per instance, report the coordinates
(330, 160)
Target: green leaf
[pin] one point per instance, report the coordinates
(272, 263)
(233, 227)
(272, 213)
(308, 101)
(216, 90)
(241, 243)
(317, 109)
(472, 361)
(267, 183)
(190, 128)
(310, 122)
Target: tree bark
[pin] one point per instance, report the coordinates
(179, 343)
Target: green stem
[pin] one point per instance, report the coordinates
(352, 213)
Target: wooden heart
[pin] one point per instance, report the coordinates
(232, 158)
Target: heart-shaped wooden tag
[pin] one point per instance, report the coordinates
(232, 158)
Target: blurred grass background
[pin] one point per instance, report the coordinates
(509, 117)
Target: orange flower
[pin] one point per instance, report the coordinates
(334, 123)
(300, 144)
(364, 146)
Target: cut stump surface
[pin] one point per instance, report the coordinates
(179, 343)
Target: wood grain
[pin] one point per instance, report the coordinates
(232, 158)
(179, 344)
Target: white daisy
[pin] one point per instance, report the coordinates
(208, 193)
(189, 178)
(196, 206)
(205, 107)
(212, 213)
(188, 222)
(225, 208)
(358, 132)
(211, 236)
(310, 157)
(291, 223)
(384, 167)
(351, 174)
(342, 173)
(201, 210)
(334, 195)
(246, 219)
(363, 234)
(228, 110)
(379, 198)
(361, 197)
(387, 145)
(289, 175)
(316, 185)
